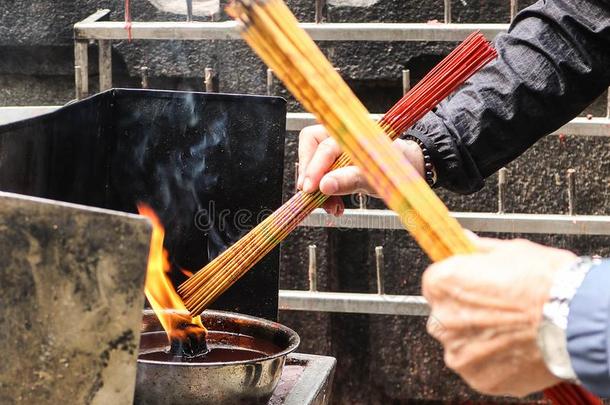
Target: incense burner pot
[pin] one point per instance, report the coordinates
(220, 378)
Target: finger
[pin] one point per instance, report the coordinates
(309, 139)
(434, 327)
(323, 158)
(441, 279)
(344, 181)
(334, 206)
(485, 245)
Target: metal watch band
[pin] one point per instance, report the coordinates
(552, 332)
(565, 284)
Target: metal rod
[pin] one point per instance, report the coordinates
(319, 5)
(229, 30)
(597, 126)
(144, 76)
(379, 265)
(12, 114)
(78, 83)
(355, 303)
(269, 82)
(189, 10)
(361, 201)
(296, 176)
(81, 75)
(571, 176)
(406, 81)
(608, 105)
(514, 8)
(105, 63)
(447, 11)
(313, 269)
(501, 190)
(475, 221)
(209, 79)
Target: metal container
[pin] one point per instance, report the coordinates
(219, 383)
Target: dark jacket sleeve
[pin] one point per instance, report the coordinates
(552, 63)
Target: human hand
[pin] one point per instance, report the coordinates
(318, 152)
(486, 309)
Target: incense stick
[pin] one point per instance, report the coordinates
(201, 289)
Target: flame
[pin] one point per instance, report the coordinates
(181, 328)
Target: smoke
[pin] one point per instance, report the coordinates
(207, 165)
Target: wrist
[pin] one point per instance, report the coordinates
(551, 336)
(426, 169)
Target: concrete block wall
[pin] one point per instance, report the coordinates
(381, 359)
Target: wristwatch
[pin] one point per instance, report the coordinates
(552, 339)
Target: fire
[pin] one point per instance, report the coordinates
(186, 334)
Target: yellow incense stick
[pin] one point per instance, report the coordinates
(273, 32)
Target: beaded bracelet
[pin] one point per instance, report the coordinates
(429, 171)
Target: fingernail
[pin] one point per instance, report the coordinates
(307, 186)
(331, 186)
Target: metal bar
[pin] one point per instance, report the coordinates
(144, 75)
(78, 82)
(447, 15)
(209, 79)
(501, 189)
(12, 114)
(578, 126)
(597, 126)
(361, 201)
(406, 81)
(81, 69)
(379, 265)
(514, 8)
(475, 221)
(354, 303)
(269, 82)
(319, 5)
(296, 176)
(228, 30)
(608, 105)
(99, 15)
(571, 177)
(189, 10)
(313, 269)
(105, 63)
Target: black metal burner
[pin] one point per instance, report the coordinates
(210, 165)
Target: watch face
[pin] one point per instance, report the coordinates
(553, 344)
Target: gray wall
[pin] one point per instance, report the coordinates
(381, 359)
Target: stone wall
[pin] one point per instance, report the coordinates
(381, 359)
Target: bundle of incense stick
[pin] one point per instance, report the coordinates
(273, 32)
(221, 272)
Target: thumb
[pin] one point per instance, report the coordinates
(346, 180)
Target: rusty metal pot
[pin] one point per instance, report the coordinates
(223, 382)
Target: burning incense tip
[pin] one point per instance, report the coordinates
(188, 341)
(186, 334)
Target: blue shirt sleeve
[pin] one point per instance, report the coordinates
(588, 330)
